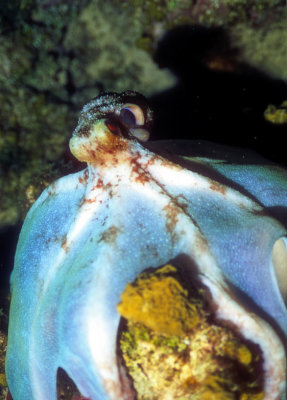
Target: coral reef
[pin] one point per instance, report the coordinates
(172, 326)
(256, 26)
(113, 64)
(262, 46)
(161, 290)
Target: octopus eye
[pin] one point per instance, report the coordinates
(133, 118)
(132, 115)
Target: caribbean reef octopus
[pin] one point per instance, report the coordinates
(157, 272)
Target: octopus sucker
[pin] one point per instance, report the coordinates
(156, 273)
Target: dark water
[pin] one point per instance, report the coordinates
(220, 105)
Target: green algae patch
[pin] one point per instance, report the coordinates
(173, 348)
(276, 115)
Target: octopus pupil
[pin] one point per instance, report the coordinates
(128, 117)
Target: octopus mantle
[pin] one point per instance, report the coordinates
(135, 207)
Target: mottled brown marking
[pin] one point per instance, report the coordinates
(201, 243)
(84, 179)
(47, 242)
(84, 131)
(217, 187)
(109, 189)
(151, 161)
(109, 150)
(88, 201)
(140, 175)
(153, 250)
(99, 184)
(62, 240)
(64, 244)
(171, 220)
(171, 216)
(182, 202)
(110, 235)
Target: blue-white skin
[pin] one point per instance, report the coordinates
(92, 232)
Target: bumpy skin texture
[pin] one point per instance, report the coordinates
(92, 232)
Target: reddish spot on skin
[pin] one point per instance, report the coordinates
(84, 179)
(217, 187)
(112, 127)
(108, 188)
(99, 184)
(88, 201)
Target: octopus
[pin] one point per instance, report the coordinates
(157, 272)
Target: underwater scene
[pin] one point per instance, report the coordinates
(143, 200)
